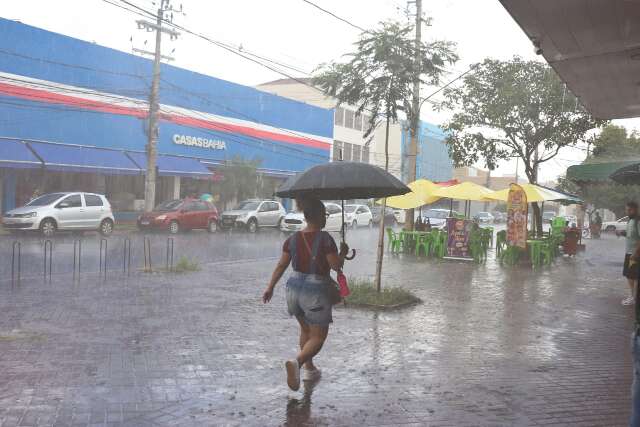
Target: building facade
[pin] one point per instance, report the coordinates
(349, 142)
(75, 117)
(432, 161)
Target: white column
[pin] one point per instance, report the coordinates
(176, 187)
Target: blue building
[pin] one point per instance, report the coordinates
(74, 116)
(433, 161)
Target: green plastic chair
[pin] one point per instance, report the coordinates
(425, 243)
(487, 233)
(439, 244)
(510, 255)
(501, 242)
(478, 246)
(396, 244)
(546, 253)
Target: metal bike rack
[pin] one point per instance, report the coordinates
(77, 257)
(169, 258)
(103, 258)
(126, 257)
(48, 250)
(16, 274)
(147, 255)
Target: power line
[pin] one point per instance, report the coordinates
(336, 16)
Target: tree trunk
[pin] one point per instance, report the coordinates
(378, 279)
(537, 218)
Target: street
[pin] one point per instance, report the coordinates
(489, 345)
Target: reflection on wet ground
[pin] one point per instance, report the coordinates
(488, 346)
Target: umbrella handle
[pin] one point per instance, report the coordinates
(353, 255)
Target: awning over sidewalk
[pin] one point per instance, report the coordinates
(174, 165)
(16, 154)
(77, 158)
(595, 172)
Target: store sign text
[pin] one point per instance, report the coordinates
(214, 144)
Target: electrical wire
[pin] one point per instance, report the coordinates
(336, 16)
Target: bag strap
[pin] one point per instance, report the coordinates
(293, 251)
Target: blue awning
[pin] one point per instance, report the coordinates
(16, 154)
(173, 165)
(77, 158)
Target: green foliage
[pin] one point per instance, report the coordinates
(508, 109)
(364, 293)
(240, 179)
(612, 144)
(379, 75)
(184, 265)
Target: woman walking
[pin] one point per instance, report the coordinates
(313, 254)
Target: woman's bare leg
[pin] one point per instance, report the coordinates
(316, 337)
(304, 337)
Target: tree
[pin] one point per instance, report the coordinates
(240, 179)
(612, 144)
(378, 78)
(513, 109)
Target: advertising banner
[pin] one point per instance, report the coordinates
(458, 231)
(517, 216)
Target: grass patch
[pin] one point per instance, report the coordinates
(363, 293)
(184, 265)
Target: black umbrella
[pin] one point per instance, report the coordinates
(342, 181)
(627, 175)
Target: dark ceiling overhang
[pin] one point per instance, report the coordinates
(594, 46)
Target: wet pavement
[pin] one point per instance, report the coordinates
(488, 345)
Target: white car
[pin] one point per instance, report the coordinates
(294, 221)
(362, 216)
(437, 217)
(618, 225)
(62, 211)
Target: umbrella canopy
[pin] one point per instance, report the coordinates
(465, 191)
(627, 175)
(342, 181)
(422, 193)
(535, 193)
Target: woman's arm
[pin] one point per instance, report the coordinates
(281, 267)
(336, 260)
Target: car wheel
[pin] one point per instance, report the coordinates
(252, 226)
(106, 227)
(48, 227)
(174, 227)
(213, 227)
(610, 229)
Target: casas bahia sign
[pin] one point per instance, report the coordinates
(193, 141)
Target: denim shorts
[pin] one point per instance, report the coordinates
(308, 298)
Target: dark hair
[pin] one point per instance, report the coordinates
(313, 209)
(632, 205)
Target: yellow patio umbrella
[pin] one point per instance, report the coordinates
(422, 193)
(465, 191)
(534, 193)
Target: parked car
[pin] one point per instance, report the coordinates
(437, 217)
(499, 217)
(180, 215)
(483, 218)
(254, 214)
(572, 220)
(389, 217)
(547, 216)
(62, 212)
(618, 225)
(362, 215)
(294, 221)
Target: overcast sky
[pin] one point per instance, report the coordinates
(291, 32)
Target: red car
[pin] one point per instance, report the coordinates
(177, 215)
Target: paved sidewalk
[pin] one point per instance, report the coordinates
(489, 346)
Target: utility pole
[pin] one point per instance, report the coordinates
(154, 101)
(415, 122)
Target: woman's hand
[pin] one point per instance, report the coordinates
(268, 293)
(344, 249)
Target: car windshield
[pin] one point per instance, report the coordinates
(483, 214)
(45, 200)
(248, 206)
(170, 205)
(350, 209)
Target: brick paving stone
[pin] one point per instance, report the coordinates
(489, 346)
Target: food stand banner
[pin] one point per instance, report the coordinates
(458, 232)
(517, 215)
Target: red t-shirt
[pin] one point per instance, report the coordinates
(327, 246)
